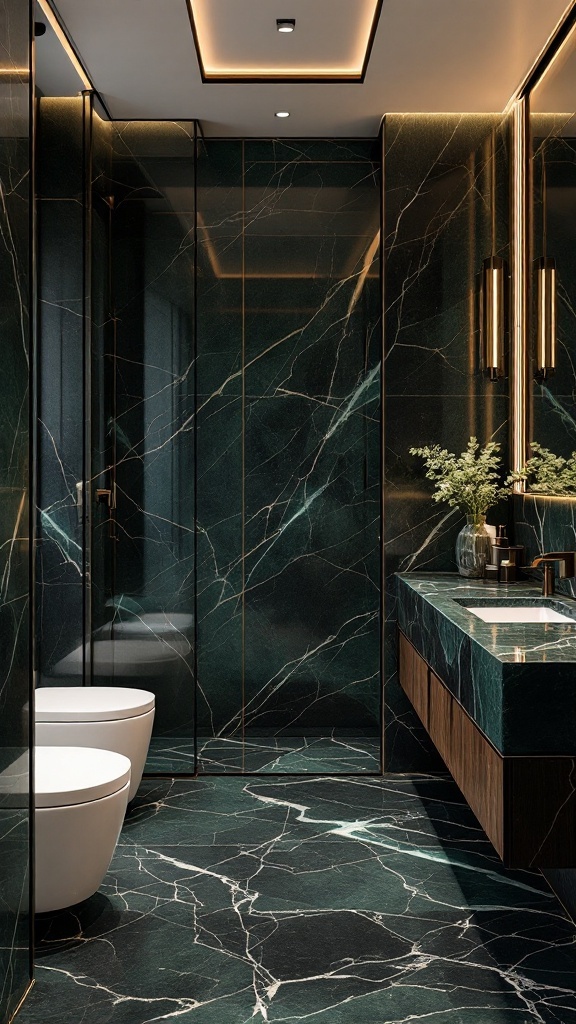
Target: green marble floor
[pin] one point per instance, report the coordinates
(317, 755)
(336, 901)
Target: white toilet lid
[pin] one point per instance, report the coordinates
(126, 657)
(75, 775)
(90, 703)
(154, 624)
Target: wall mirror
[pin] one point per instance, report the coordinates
(551, 330)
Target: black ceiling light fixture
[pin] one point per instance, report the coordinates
(285, 24)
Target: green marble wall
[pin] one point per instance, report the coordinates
(289, 422)
(234, 402)
(445, 210)
(545, 523)
(219, 303)
(143, 405)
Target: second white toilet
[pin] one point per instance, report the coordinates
(80, 797)
(115, 718)
(80, 800)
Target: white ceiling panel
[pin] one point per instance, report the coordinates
(329, 37)
(428, 56)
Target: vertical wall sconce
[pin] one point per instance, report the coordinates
(493, 317)
(546, 317)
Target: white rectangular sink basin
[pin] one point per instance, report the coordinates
(512, 614)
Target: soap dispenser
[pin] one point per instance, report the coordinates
(500, 548)
(506, 557)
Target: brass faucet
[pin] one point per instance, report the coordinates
(566, 568)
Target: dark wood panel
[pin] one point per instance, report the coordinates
(526, 805)
(478, 771)
(413, 675)
(541, 801)
(440, 718)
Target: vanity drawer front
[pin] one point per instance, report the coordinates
(526, 805)
(440, 719)
(478, 771)
(413, 675)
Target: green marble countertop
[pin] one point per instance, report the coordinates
(507, 641)
(516, 680)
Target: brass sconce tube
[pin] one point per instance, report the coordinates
(493, 317)
(546, 318)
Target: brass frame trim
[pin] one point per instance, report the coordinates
(51, 12)
(564, 26)
(519, 280)
(21, 1001)
(243, 484)
(521, 229)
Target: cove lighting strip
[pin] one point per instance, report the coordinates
(48, 11)
(213, 71)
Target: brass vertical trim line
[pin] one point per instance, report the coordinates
(529, 285)
(243, 456)
(87, 107)
(472, 290)
(21, 1001)
(382, 140)
(518, 356)
(556, 40)
(489, 394)
(111, 306)
(195, 453)
(34, 448)
(112, 520)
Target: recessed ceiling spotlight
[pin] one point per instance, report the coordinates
(282, 113)
(285, 24)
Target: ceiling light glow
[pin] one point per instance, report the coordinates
(64, 42)
(282, 113)
(228, 52)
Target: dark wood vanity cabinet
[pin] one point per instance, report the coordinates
(526, 805)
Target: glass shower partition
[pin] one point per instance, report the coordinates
(141, 392)
(234, 389)
(289, 456)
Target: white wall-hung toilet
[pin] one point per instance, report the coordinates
(80, 797)
(151, 625)
(162, 666)
(137, 658)
(114, 718)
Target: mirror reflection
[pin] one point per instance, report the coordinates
(552, 300)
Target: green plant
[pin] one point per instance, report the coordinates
(546, 473)
(471, 481)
